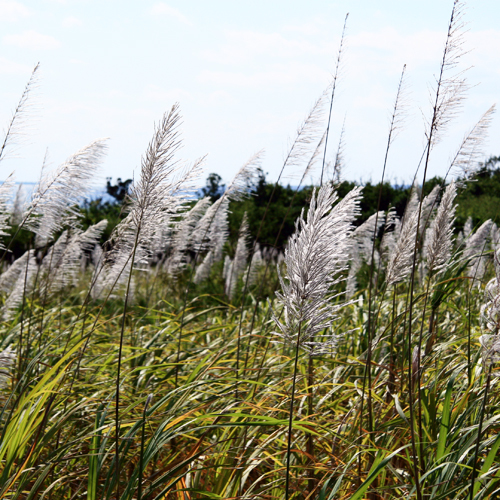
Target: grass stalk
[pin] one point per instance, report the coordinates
(479, 432)
(290, 417)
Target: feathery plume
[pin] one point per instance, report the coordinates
(244, 179)
(439, 242)
(449, 89)
(54, 254)
(182, 239)
(400, 109)
(307, 133)
(475, 247)
(240, 259)
(155, 200)
(362, 236)
(334, 86)
(315, 257)
(429, 205)
(64, 271)
(227, 267)
(338, 165)
(468, 227)
(361, 248)
(7, 361)
(313, 160)
(97, 256)
(5, 216)
(490, 318)
(9, 278)
(15, 127)
(469, 154)
(18, 207)
(392, 231)
(211, 232)
(203, 270)
(256, 263)
(22, 286)
(53, 204)
(413, 203)
(401, 258)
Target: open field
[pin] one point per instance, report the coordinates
(360, 363)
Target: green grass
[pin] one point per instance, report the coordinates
(222, 434)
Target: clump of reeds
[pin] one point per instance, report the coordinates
(400, 401)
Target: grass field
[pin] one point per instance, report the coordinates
(359, 364)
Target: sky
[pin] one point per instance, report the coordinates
(245, 74)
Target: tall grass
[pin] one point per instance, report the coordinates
(156, 366)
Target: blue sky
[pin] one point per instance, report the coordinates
(245, 74)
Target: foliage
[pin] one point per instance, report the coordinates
(480, 199)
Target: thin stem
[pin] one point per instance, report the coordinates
(310, 438)
(370, 278)
(118, 373)
(334, 85)
(392, 383)
(290, 419)
(479, 431)
(141, 458)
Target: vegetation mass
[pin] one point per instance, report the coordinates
(258, 341)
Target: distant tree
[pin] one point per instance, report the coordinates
(213, 187)
(119, 190)
(480, 197)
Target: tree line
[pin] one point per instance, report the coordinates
(280, 206)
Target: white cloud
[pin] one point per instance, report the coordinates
(11, 67)
(12, 11)
(279, 74)
(162, 9)
(245, 45)
(30, 39)
(157, 93)
(310, 28)
(414, 49)
(71, 21)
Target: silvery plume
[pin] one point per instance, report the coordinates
(468, 227)
(401, 256)
(212, 231)
(7, 361)
(5, 215)
(155, 200)
(16, 128)
(52, 260)
(450, 87)
(239, 262)
(158, 240)
(475, 249)
(54, 203)
(315, 258)
(211, 234)
(361, 248)
(392, 230)
(182, 239)
(226, 267)
(429, 205)
(64, 269)
(256, 263)
(467, 159)
(18, 207)
(490, 319)
(22, 285)
(439, 238)
(9, 278)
